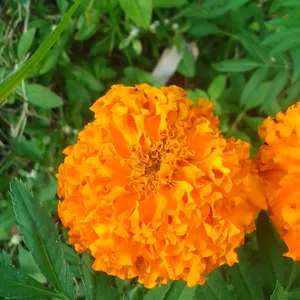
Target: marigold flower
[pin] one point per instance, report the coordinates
(279, 164)
(154, 190)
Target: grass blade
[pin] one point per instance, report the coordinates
(8, 86)
(41, 237)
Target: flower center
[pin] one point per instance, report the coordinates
(158, 164)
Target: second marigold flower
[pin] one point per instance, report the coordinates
(279, 164)
(154, 190)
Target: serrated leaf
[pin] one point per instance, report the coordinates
(139, 11)
(42, 96)
(216, 87)
(25, 42)
(41, 237)
(175, 290)
(258, 77)
(28, 265)
(187, 293)
(278, 84)
(239, 65)
(279, 293)
(15, 284)
(8, 86)
(97, 285)
(169, 3)
(215, 287)
(271, 250)
(158, 292)
(244, 278)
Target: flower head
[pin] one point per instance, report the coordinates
(279, 164)
(154, 190)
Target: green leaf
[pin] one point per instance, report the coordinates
(279, 293)
(216, 287)
(238, 65)
(42, 96)
(295, 53)
(5, 259)
(271, 250)
(217, 87)
(286, 44)
(97, 285)
(203, 28)
(28, 148)
(139, 11)
(25, 42)
(28, 265)
(169, 3)
(278, 84)
(176, 290)
(158, 292)
(41, 237)
(8, 86)
(277, 37)
(293, 91)
(187, 65)
(250, 43)
(17, 285)
(294, 294)
(258, 77)
(244, 278)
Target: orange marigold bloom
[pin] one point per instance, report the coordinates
(279, 164)
(154, 190)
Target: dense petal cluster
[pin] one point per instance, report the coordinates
(279, 164)
(154, 190)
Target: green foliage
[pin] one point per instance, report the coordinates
(57, 58)
(41, 238)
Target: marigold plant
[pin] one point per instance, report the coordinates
(153, 190)
(279, 164)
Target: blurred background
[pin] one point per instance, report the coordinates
(243, 55)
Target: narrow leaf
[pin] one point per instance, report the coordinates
(279, 293)
(286, 44)
(15, 284)
(42, 96)
(277, 37)
(203, 28)
(41, 237)
(169, 3)
(217, 87)
(240, 65)
(258, 77)
(8, 86)
(25, 42)
(139, 11)
(271, 250)
(278, 85)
